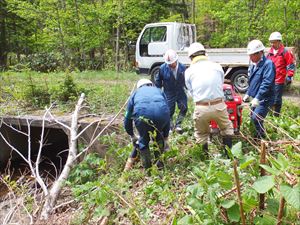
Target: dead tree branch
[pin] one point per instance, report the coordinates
(57, 185)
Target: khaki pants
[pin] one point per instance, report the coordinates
(202, 117)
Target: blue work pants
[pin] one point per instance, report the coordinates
(182, 106)
(159, 128)
(258, 114)
(278, 98)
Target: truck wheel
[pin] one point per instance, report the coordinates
(239, 79)
(154, 72)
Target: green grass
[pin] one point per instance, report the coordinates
(105, 91)
(297, 74)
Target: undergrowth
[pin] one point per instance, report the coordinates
(190, 190)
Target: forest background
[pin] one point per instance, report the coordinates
(67, 35)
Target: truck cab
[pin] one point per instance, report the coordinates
(156, 38)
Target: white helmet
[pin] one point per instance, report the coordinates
(143, 82)
(255, 46)
(275, 36)
(195, 47)
(170, 56)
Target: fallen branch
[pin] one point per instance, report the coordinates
(57, 185)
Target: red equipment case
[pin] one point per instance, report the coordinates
(234, 109)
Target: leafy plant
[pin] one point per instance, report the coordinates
(37, 94)
(67, 90)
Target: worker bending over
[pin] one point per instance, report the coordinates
(149, 110)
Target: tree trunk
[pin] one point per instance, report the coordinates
(3, 42)
(61, 35)
(117, 57)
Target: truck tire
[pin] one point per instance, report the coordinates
(239, 79)
(154, 73)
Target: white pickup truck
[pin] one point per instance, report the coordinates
(156, 38)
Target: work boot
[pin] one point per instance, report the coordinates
(129, 164)
(227, 141)
(146, 158)
(205, 150)
(277, 109)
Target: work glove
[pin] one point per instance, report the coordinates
(134, 139)
(254, 102)
(246, 98)
(288, 80)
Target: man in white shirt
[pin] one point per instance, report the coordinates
(204, 80)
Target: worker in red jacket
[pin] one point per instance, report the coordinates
(285, 68)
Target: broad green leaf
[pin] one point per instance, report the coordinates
(291, 195)
(265, 220)
(196, 190)
(237, 150)
(270, 170)
(185, 220)
(195, 203)
(224, 179)
(249, 202)
(283, 161)
(264, 184)
(272, 205)
(234, 213)
(227, 204)
(247, 162)
(274, 163)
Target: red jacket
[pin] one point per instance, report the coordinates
(284, 63)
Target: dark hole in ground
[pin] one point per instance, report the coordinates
(54, 151)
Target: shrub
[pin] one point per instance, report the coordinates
(37, 94)
(67, 91)
(44, 62)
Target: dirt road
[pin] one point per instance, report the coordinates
(292, 94)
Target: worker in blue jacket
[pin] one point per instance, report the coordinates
(261, 85)
(171, 79)
(149, 110)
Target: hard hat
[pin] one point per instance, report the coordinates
(143, 82)
(170, 56)
(255, 46)
(195, 47)
(275, 36)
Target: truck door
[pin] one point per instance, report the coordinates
(153, 41)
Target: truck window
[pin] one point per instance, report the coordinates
(185, 37)
(152, 34)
